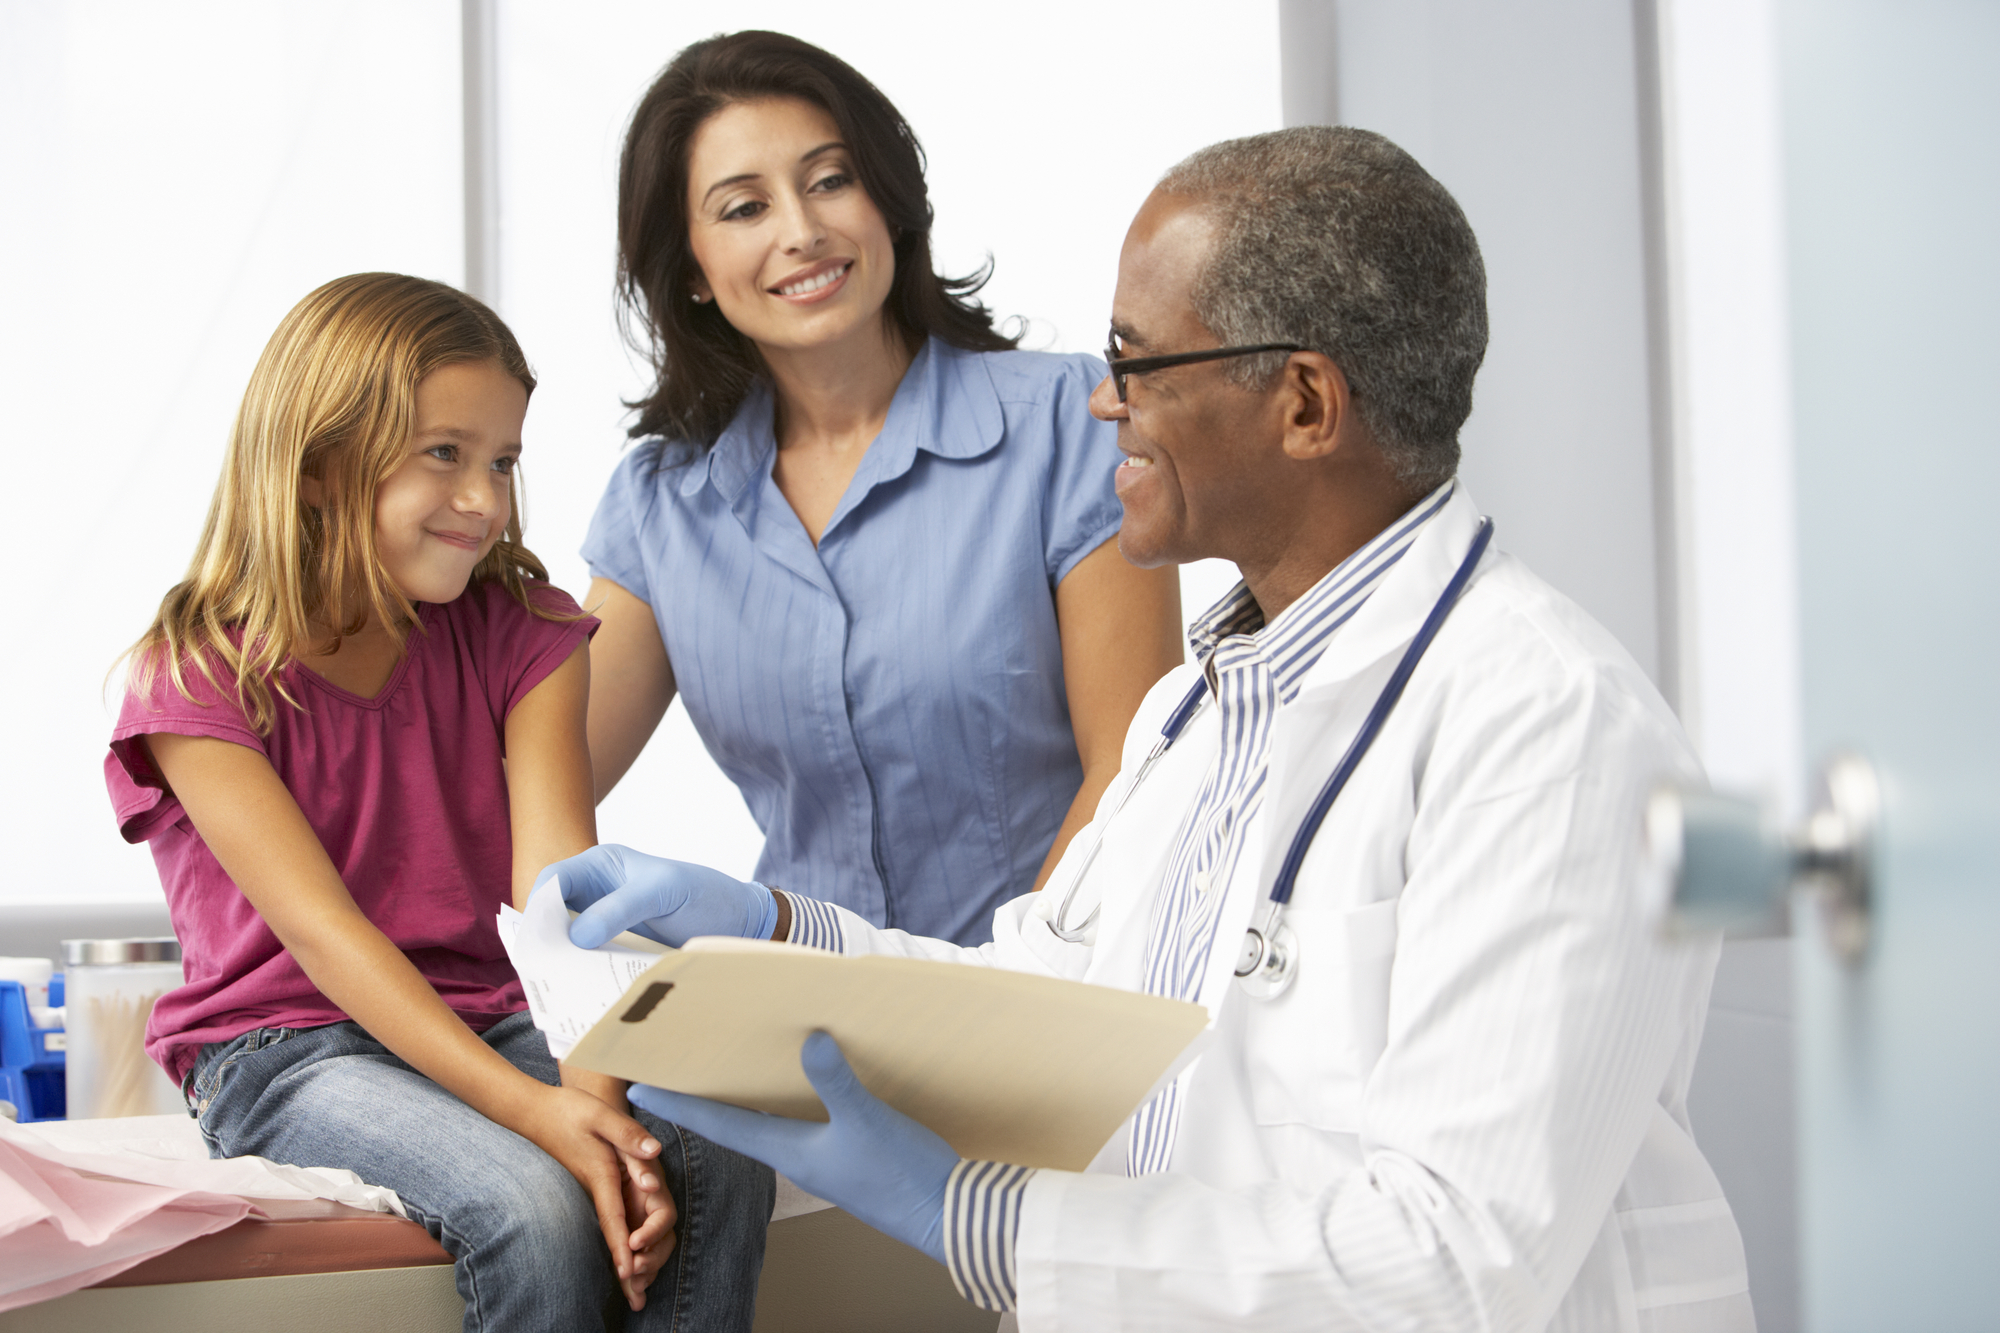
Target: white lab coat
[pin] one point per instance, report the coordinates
(1469, 1111)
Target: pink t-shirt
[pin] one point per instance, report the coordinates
(406, 792)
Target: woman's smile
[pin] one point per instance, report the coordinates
(818, 283)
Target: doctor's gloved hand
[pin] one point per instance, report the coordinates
(616, 888)
(869, 1158)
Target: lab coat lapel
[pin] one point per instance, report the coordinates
(1132, 866)
(1312, 732)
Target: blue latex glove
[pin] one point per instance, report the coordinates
(616, 888)
(869, 1158)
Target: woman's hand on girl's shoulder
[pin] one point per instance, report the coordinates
(594, 1143)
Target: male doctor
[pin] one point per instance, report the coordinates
(1467, 1109)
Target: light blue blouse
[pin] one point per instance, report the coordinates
(891, 704)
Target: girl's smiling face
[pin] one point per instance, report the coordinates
(791, 248)
(438, 514)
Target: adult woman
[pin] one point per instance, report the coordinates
(866, 540)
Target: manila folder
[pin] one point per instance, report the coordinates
(1004, 1066)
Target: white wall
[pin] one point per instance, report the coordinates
(1529, 113)
(172, 180)
(1732, 368)
(1739, 609)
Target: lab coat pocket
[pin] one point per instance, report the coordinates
(1312, 1048)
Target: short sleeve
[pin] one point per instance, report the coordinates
(139, 795)
(612, 547)
(523, 648)
(1083, 510)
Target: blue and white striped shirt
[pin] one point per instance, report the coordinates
(1253, 669)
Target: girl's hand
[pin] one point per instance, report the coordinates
(610, 1154)
(649, 1208)
(594, 1143)
(649, 1213)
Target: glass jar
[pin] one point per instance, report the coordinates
(109, 990)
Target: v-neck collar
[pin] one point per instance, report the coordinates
(412, 644)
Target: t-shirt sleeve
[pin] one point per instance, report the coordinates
(525, 648)
(1083, 508)
(139, 795)
(612, 546)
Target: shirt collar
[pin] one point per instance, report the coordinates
(945, 405)
(1295, 640)
(742, 452)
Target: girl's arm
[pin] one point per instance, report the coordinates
(552, 814)
(548, 773)
(1121, 631)
(548, 793)
(631, 682)
(262, 840)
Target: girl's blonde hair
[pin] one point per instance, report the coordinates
(333, 398)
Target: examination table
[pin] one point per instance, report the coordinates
(317, 1266)
(320, 1267)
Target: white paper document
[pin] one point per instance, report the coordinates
(569, 988)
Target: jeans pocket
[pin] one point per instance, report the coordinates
(215, 1061)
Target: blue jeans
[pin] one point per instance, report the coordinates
(522, 1232)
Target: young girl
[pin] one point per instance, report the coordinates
(355, 724)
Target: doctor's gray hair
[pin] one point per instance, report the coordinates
(1336, 240)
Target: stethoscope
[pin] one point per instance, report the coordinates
(1268, 962)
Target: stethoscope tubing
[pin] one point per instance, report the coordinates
(1385, 703)
(1357, 750)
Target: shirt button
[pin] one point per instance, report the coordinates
(1204, 880)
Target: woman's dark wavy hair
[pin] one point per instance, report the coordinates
(703, 367)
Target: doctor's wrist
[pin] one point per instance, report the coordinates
(781, 921)
(760, 911)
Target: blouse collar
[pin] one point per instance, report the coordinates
(945, 405)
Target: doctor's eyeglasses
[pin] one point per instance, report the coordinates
(1121, 366)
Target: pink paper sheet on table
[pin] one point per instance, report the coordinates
(83, 1200)
(61, 1229)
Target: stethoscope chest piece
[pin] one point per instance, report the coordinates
(1268, 961)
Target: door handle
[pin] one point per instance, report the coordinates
(1721, 862)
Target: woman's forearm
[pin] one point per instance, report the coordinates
(631, 682)
(1121, 631)
(1095, 779)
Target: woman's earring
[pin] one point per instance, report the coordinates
(698, 297)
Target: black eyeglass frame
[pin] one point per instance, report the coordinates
(1139, 365)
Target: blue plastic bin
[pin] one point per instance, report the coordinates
(32, 1059)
